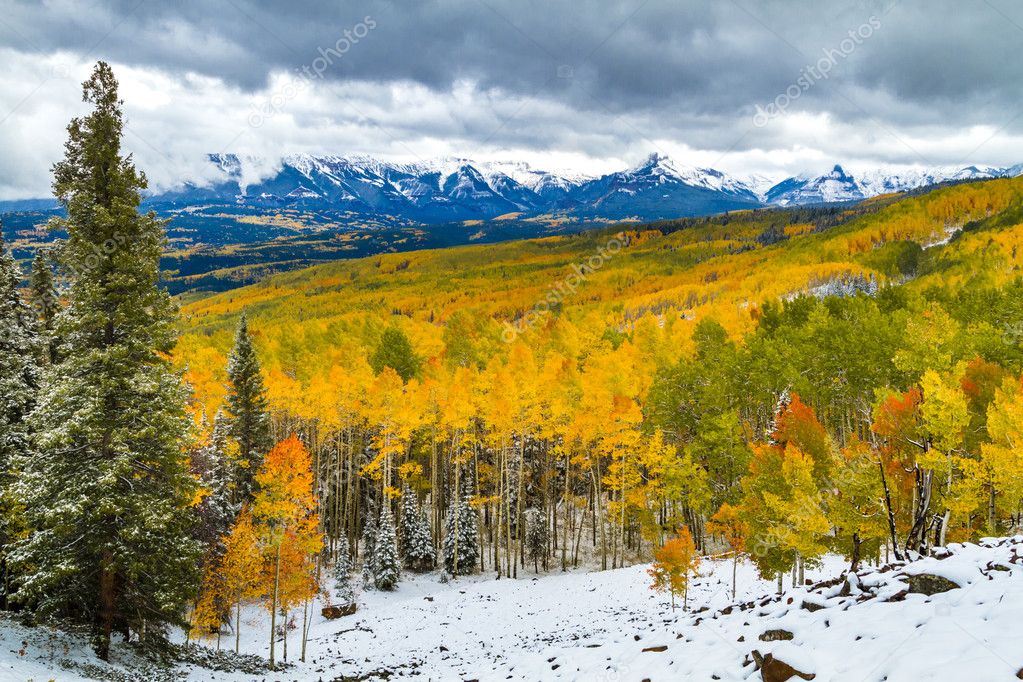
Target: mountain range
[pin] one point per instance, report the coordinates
(454, 189)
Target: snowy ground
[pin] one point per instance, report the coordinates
(595, 626)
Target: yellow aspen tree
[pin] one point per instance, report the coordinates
(239, 568)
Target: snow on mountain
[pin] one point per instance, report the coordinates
(841, 185)
(452, 188)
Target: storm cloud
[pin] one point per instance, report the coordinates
(772, 87)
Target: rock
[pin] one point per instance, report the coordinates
(774, 670)
(777, 635)
(334, 612)
(927, 584)
(656, 649)
(812, 606)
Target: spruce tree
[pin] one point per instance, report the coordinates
(395, 351)
(386, 565)
(45, 299)
(409, 510)
(107, 490)
(247, 410)
(462, 516)
(216, 512)
(343, 573)
(536, 538)
(369, 541)
(19, 384)
(417, 549)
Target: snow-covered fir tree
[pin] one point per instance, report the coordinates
(369, 541)
(343, 572)
(107, 490)
(407, 518)
(216, 512)
(45, 300)
(20, 353)
(461, 537)
(418, 552)
(537, 536)
(386, 564)
(247, 411)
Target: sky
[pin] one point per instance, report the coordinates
(768, 87)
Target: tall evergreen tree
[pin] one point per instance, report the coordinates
(247, 411)
(19, 383)
(463, 524)
(209, 464)
(343, 572)
(107, 489)
(386, 565)
(417, 543)
(45, 299)
(369, 541)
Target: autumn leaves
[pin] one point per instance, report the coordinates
(271, 552)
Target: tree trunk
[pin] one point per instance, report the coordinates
(238, 623)
(917, 540)
(891, 514)
(564, 525)
(107, 599)
(735, 570)
(273, 604)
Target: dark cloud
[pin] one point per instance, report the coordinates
(710, 56)
(573, 75)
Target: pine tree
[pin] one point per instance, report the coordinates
(418, 551)
(369, 541)
(536, 538)
(19, 384)
(210, 466)
(343, 573)
(395, 351)
(409, 512)
(386, 565)
(462, 516)
(46, 300)
(107, 491)
(247, 411)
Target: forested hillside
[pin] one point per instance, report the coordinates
(794, 381)
(779, 385)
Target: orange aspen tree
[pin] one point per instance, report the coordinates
(727, 523)
(284, 505)
(673, 562)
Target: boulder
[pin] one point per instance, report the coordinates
(778, 635)
(774, 670)
(928, 584)
(334, 612)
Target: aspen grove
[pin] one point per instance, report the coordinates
(771, 386)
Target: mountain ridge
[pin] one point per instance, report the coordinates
(454, 189)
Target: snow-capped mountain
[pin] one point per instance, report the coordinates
(458, 189)
(840, 185)
(454, 189)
